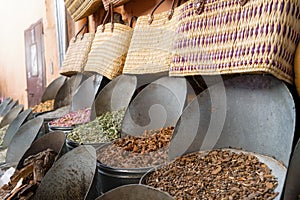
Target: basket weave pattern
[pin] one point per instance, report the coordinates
(79, 9)
(150, 49)
(259, 37)
(113, 2)
(76, 55)
(109, 50)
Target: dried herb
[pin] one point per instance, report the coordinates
(2, 133)
(104, 128)
(147, 150)
(221, 174)
(73, 118)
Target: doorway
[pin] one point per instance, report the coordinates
(35, 62)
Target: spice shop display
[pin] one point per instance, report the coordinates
(147, 150)
(220, 174)
(104, 128)
(43, 106)
(72, 118)
(24, 182)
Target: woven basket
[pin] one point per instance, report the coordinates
(79, 9)
(150, 49)
(113, 2)
(226, 37)
(76, 55)
(109, 48)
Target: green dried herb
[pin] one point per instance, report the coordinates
(2, 133)
(104, 128)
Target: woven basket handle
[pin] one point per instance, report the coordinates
(170, 13)
(84, 27)
(111, 12)
(199, 5)
(133, 18)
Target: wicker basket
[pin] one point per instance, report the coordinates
(226, 37)
(113, 2)
(109, 49)
(77, 53)
(150, 49)
(79, 9)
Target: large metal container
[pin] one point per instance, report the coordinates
(110, 178)
(22, 140)
(54, 141)
(71, 177)
(278, 169)
(252, 112)
(135, 192)
(14, 127)
(52, 89)
(292, 185)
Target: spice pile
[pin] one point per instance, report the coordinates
(56, 113)
(2, 132)
(43, 106)
(24, 182)
(104, 128)
(221, 174)
(147, 150)
(73, 118)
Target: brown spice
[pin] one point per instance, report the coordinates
(35, 168)
(221, 174)
(43, 106)
(135, 152)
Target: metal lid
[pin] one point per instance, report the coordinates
(67, 90)
(85, 94)
(23, 139)
(135, 192)
(292, 189)
(11, 115)
(70, 177)
(14, 127)
(53, 140)
(52, 89)
(114, 96)
(253, 112)
(158, 105)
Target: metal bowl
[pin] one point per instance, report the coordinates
(70, 177)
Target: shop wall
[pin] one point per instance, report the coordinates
(16, 16)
